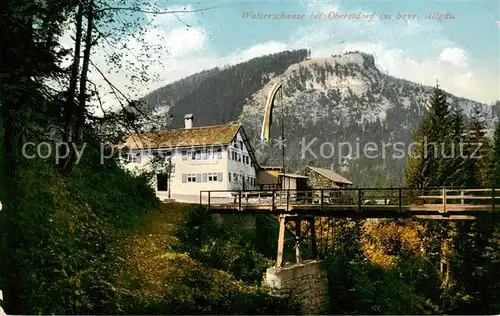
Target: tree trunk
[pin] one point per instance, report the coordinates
(69, 106)
(84, 74)
(70, 101)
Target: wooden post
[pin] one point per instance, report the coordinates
(400, 196)
(359, 200)
(321, 199)
(239, 200)
(462, 194)
(201, 197)
(272, 203)
(444, 200)
(298, 258)
(314, 243)
(493, 199)
(209, 199)
(281, 241)
(287, 200)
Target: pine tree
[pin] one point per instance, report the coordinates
(428, 167)
(456, 166)
(495, 174)
(435, 165)
(478, 151)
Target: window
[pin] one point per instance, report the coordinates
(212, 177)
(161, 153)
(241, 145)
(213, 153)
(238, 156)
(229, 176)
(191, 177)
(235, 175)
(195, 155)
(134, 157)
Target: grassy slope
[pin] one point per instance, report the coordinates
(162, 280)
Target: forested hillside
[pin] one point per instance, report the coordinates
(339, 99)
(215, 96)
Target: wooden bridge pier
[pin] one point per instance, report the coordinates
(298, 235)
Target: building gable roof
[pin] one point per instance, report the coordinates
(330, 175)
(192, 137)
(175, 138)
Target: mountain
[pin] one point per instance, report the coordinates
(325, 102)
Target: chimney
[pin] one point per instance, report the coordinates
(188, 121)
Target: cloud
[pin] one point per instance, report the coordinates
(409, 50)
(168, 47)
(455, 56)
(257, 50)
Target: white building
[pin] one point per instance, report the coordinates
(202, 158)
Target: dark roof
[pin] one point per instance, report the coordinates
(330, 175)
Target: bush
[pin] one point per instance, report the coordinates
(356, 287)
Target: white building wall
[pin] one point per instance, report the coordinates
(195, 167)
(239, 167)
(184, 190)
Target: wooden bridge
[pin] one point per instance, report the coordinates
(297, 206)
(430, 203)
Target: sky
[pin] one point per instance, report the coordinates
(461, 51)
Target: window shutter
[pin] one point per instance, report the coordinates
(204, 177)
(219, 176)
(184, 176)
(198, 177)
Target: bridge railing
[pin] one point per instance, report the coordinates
(352, 198)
